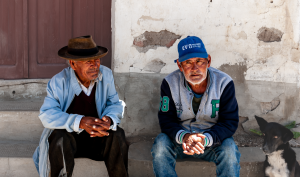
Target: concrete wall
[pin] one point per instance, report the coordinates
(256, 42)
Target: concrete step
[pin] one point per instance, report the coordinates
(19, 121)
(20, 101)
(140, 162)
(25, 105)
(24, 89)
(16, 161)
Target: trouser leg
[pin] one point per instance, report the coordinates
(112, 149)
(115, 153)
(62, 147)
(164, 152)
(226, 157)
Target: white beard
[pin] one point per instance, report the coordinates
(192, 82)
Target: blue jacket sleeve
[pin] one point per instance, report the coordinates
(167, 115)
(228, 116)
(114, 106)
(51, 114)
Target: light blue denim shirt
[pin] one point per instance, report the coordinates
(61, 90)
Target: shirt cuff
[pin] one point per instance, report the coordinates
(179, 136)
(208, 140)
(113, 125)
(77, 123)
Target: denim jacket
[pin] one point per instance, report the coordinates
(61, 90)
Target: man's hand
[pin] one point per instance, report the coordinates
(95, 126)
(193, 143)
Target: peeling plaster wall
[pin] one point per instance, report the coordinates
(262, 71)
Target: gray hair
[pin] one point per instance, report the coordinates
(68, 63)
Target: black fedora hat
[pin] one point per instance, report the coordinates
(82, 48)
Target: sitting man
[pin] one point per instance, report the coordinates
(198, 114)
(80, 114)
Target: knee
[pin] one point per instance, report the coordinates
(60, 138)
(120, 131)
(56, 135)
(120, 135)
(161, 145)
(230, 150)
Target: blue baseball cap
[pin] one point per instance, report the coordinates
(191, 47)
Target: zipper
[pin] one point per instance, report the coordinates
(192, 106)
(203, 103)
(191, 128)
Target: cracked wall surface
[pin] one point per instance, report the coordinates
(255, 42)
(265, 69)
(152, 40)
(269, 34)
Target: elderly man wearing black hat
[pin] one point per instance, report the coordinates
(80, 114)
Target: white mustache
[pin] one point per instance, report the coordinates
(196, 73)
(93, 70)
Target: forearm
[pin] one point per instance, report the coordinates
(58, 120)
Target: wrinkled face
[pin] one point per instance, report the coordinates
(195, 69)
(86, 70)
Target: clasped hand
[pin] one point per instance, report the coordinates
(193, 143)
(95, 126)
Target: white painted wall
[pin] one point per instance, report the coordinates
(228, 28)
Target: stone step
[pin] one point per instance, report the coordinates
(20, 102)
(19, 121)
(140, 162)
(27, 105)
(23, 90)
(15, 161)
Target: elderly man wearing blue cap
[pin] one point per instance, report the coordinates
(198, 114)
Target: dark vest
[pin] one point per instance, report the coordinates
(84, 105)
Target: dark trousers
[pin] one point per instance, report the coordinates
(65, 146)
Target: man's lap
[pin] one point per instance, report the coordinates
(163, 142)
(86, 146)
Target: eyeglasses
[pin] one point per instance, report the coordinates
(199, 62)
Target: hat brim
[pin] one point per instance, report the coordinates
(192, 55)
(63, 53)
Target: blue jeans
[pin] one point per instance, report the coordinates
(165, 152)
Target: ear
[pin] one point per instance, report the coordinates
(287, 135)
(261, 122)
(179, 66)
(209, 60)
(72, 64)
